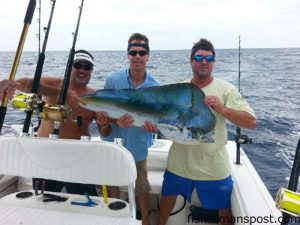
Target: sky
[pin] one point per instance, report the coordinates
(169, 24)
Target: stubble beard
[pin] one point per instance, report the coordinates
(81, 81)
(201, 75)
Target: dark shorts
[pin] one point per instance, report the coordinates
(212, 194)
(72, 188)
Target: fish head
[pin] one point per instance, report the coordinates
(94, 102)
(110, 101)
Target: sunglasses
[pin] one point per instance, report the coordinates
(134, 53)
(200, 58)
(87, 67)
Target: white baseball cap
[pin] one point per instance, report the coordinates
(81, 56)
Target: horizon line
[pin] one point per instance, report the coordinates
(157, 49)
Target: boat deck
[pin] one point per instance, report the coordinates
(248, 187)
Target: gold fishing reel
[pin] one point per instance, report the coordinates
(58, 113)
(24, 101)
(288, 201)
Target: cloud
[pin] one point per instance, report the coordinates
(170, 24)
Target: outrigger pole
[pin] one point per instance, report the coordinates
(38, 72)
(27, 22)
(64, 91)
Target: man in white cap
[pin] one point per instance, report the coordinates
(50, 88)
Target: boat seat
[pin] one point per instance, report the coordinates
(65, 160)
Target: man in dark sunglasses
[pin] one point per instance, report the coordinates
(136, 140)
(205, 167)
(50, 88)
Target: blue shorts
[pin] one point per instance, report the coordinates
(212, 194)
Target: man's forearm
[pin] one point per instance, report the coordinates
(239, 118)
(25, 85)
(105, 130)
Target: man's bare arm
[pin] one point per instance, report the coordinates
(46, 87)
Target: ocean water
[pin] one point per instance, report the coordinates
(270, 81)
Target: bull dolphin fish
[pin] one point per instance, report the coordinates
(177, 110)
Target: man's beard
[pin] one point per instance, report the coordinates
(201, 75)
(82, 81)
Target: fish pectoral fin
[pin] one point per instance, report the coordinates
(184, 135)
(206, 137)
(172, 132)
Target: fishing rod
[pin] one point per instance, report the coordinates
(27, 22)
(38, 35)
(64, 111)
(238, 129)
(239, 73)
(38, 74)
(239, 138)
(60, 111)
(294, 178)
(287, 200)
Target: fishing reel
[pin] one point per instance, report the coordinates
(58, 113)
(288, 201)
(27, 102)
(243, 139)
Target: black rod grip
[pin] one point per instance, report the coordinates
(27, 121)
(65, 87)
(38, 73)
(30, 11)
(2, 116)
(293, 183)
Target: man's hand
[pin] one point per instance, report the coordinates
(125, 121)
(148, 126)
(102, 119)
(215, 103)
(7, 87)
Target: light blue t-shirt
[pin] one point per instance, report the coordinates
(136, 140)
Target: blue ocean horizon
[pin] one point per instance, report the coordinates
(270, 81)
